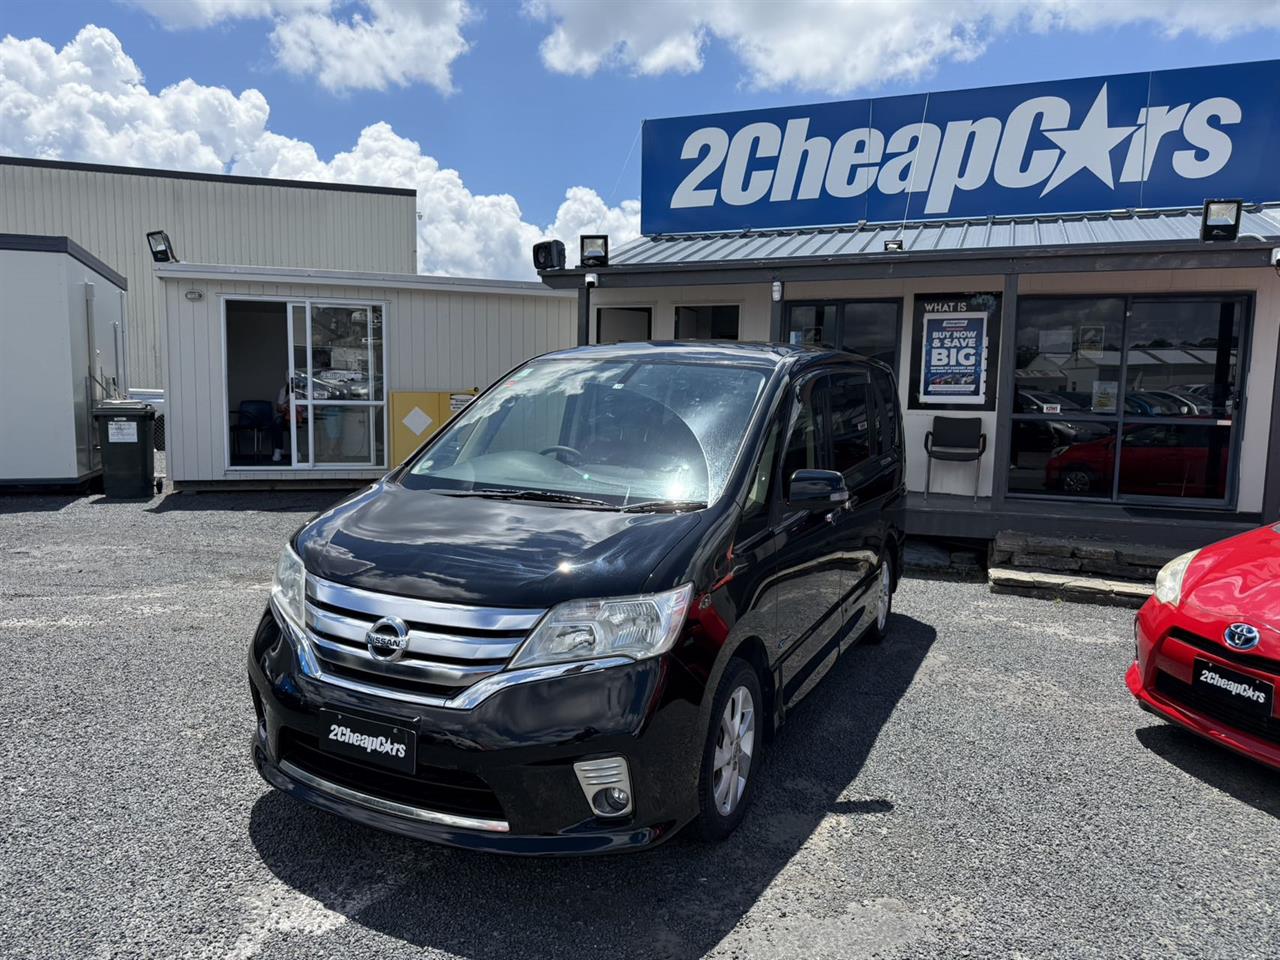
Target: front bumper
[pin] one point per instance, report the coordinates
(1160, 651)
(499, 776)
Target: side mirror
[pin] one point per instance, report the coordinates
(817, 490)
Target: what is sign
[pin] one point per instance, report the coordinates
(953, 357)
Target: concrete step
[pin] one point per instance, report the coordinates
(1082, 588)
(1109, 559)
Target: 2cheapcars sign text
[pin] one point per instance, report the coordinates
(1166, 139)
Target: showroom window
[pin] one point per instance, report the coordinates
(866, 327)
(707, 322)
(1128, 399)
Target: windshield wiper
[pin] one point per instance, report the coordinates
(545, 496)
(663, 506)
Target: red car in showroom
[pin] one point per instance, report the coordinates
(1208, 644)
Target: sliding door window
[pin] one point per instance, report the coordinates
(338, 391)
(1127, 398)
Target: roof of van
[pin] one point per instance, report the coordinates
(734, 351)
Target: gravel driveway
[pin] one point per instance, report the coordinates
(980, 785)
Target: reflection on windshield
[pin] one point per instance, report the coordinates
(618, 431)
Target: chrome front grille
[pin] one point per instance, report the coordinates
(449, 646)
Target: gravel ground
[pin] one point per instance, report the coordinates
(980, 785)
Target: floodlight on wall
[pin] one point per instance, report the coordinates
(775, 291)
(893, 246)
(593, 250)
(1221, 220)
(161, 247)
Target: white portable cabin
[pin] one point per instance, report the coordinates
(345, 344)
(63, 347)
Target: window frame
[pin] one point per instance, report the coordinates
(646, 307)
(1120, 420)
(836, 339)
(676, 307)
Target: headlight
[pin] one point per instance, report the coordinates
(289, 587)
(635, 627)
(1169, 579)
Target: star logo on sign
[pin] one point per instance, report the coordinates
(1088, 147)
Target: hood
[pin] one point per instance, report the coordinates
(1238, 581)
(501, 553)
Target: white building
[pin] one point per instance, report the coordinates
(210, 219)
(337, 370)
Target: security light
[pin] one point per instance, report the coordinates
(893, 246)
(593, 250)
(775, 291)
(1221, 220)
(161, 247)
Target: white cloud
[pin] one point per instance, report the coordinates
(344, 45)
(182, 14)
(89, 101)
(837, 46)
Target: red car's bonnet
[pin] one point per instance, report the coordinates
(1239, 579)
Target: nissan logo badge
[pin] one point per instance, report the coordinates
(387, 639)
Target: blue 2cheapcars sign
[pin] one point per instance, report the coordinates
(1165, 139)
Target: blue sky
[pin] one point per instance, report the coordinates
(515, 126)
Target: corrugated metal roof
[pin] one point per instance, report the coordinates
(1121, 227)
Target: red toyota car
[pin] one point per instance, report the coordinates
(1208, 643)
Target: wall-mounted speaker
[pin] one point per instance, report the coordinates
(548, 255)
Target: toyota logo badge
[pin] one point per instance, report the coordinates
(1242, 636)
(387, 639)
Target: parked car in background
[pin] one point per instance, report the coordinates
(155, 397)
(1186, 403)
(572, 621)
(1158, 460)
(1207, 644)
(1152, 403)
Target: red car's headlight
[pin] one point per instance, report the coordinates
(1169, 579)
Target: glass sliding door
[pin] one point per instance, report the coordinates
(1182, 384)
(1128, 399)
(338, 392)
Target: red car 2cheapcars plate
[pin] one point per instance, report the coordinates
(1208, 643)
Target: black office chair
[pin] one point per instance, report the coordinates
(958, 439)
(254, 417)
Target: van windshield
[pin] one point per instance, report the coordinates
(617, 432)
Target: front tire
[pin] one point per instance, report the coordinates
(732, 753)
(879, 628)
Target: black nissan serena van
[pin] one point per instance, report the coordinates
(571, 622)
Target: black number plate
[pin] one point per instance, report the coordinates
(380, 743)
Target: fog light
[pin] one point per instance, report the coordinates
(611, 802)
(606, 784)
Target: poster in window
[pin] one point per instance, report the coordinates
(953, 358)
(1105, 395)
(1093, 337)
